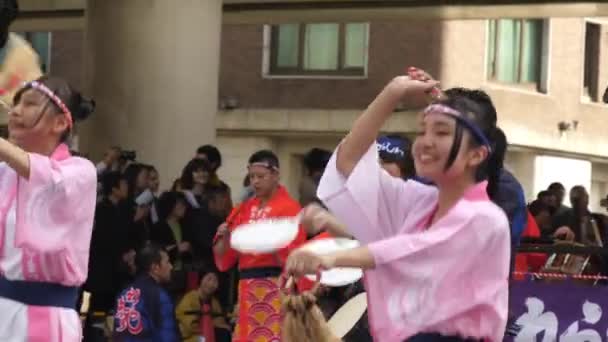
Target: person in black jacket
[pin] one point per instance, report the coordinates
(139, 229)
(110, 261)
(199, 221)
(169, 232)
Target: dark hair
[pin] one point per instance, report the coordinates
(265, 156)
(150, 168)
(214, 157)
(80, 107)
(167, 202)
(9, 10)
(187, 181)
(203, 273)
(537, 206)
(496, 160)
(578, 188)
(556, 186)
(479, 109)
(478, 96)
(110, 181)
(316, 159)
(131, 174)
(147, 256)
(544, 193)
(176, 183)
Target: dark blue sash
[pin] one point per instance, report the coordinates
(39, 293)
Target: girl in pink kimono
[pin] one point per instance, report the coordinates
(436, 258)
(47, 205)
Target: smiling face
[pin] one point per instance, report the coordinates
(34, 123)
(433, 146)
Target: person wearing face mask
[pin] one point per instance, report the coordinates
(18, 61)
(436, 258)
(46, 214)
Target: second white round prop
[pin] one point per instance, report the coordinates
(339, 276)
(265, 236)
(348, 315)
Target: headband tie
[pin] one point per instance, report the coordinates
(53, 97)
(264, 164)
(473, 128)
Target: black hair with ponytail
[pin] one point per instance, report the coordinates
(80, 107)
(477, 106)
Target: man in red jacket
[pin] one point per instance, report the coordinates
(259, 317)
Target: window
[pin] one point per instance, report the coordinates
(41, 42)
(320, 49)
(516, 51)
(591, 87)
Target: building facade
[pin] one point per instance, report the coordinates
(546, 78)
(295, 86)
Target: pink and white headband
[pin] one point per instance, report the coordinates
(53, 97)
(264, 164)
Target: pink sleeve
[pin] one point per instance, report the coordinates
(57, 203)
(371, 203)
(477, 247)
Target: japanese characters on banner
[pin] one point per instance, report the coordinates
(558, 311)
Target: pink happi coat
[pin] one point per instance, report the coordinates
(45, 231)
(450, 278)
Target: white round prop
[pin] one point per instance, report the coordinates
(340, 276)
(264, 236)
(348, 315)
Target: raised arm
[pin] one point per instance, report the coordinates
(412, 93)
(15, 157)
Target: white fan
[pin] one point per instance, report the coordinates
(265, 236)
(340, 276)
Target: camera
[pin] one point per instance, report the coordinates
(128, 155)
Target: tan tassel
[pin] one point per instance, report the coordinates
(303, 320)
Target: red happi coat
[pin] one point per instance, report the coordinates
(259, 299)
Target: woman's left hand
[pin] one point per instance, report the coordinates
(302, 262)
